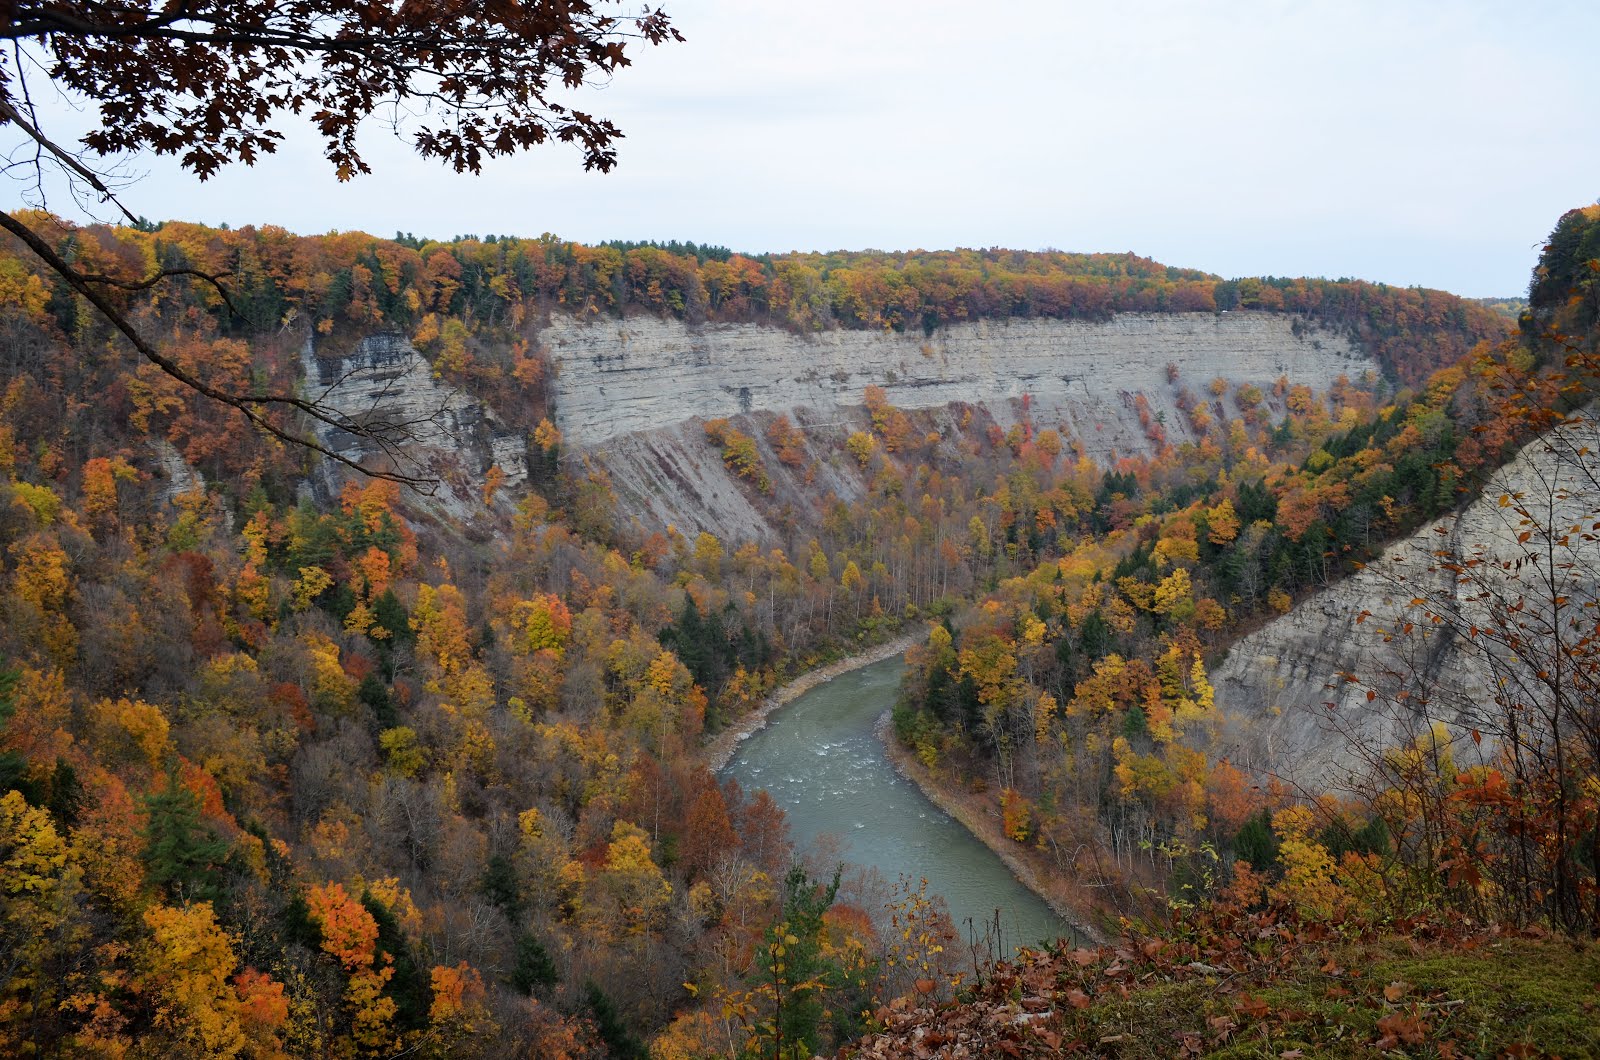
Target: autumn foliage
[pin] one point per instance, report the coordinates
(315, 772)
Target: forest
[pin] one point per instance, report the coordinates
(288, 774)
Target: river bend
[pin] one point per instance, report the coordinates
(821, 761)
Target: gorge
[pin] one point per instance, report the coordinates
(1100, 495)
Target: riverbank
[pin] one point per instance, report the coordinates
(984, 824)
(719, 751)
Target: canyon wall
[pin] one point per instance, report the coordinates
(620, 377)
(632, 394)
(1287, 689)
(448, 434)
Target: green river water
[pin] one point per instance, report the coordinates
(821, 761)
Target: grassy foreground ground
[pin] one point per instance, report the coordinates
(1225, 983)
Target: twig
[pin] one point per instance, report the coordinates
(251, 405)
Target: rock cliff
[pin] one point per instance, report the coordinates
(1287, 691)
(673, 477)
(451, 435)
(631, 394)
(621, 377)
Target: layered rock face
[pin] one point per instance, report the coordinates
(673, 477)
(1293, 707)
(449, 435)
(631, 394)
(620, 377)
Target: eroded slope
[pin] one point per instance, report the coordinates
(1297, 689)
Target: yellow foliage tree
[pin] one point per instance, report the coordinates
(130, 732)
(440, 623)
(542, 623)
(1308, 868)
(38, 886)
(332, 689)
(185, 969)
(312, 583)
(1223, 521)
(1043, 712)
(631, 886)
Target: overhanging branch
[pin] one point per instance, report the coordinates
(251, 406)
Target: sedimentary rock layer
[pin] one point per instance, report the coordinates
(1296, 710)
(620, 377)
(446, 433)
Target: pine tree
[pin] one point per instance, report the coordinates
(500, 885)
(66, 794)
(533, 968)
(1256, 843)
(181, 854)
(408, 986)
(613, 1031)
(13, 767)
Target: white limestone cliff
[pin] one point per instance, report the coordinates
(632, 394)
(620, 377)
(448, 433)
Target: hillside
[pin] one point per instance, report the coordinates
(1225, 982)
(1298, 714)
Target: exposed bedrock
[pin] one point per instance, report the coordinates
(620, 377)
(632, 394)
(1294, 710)
(447, 433)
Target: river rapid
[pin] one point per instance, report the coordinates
(822, 762)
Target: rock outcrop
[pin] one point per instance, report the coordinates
(632, 394)
(674, 477)
(1296, 691)
(621, 377)
(447, 433)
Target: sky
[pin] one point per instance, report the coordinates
(1412, 142)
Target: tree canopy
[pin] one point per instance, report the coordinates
(210, 81)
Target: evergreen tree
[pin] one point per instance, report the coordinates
(66, 794)
(375, 694)
(13, 767)
(533, 969)
(409, 984)
(391, 615)
(181, 855)
(1256, 843)
(793, 963)
(499, 885)
(613, 1031)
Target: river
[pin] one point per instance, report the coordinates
(821, 761)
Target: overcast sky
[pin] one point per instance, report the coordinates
(1407, 141)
